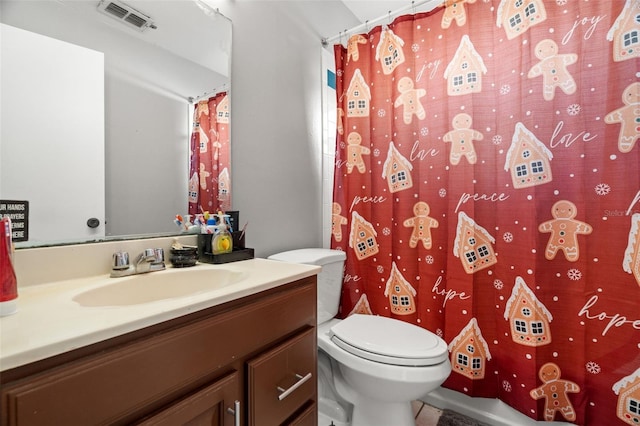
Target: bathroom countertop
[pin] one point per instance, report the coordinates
(49, 322)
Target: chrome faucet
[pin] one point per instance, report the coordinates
(148, 261)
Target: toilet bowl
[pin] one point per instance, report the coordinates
(370, 368)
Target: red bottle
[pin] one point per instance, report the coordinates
(8, 281)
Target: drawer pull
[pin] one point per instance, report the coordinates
(285, 392)
(235, 411)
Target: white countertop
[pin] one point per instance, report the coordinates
(49, 322)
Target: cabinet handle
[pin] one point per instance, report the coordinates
(235, 411)
(285, 392)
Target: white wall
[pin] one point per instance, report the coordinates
(277, 118)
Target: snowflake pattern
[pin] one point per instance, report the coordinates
(504, 89)
(424, 131)
(574, 274)
(506, 386)
(339, 73)
(429, 259)
(593, 367)
(442, 192)
(376, 152)
(561, 2)
(497, 140)
(382, 112)
(507, 237)
(439, 333)
(498, 284)
(573, 109)
(386, 231)
(602, 189)
(380, 269)
(415, 47)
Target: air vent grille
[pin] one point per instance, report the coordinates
(126, 14)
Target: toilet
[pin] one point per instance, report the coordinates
(370, 368)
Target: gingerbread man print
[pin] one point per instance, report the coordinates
(422, 224)
(352, 47)
(461, 138)
(555, 390)
(337, 220)
(454, 11)
(628, 116)
(553, 69)
(355, 152)
(564, 231)
(410, 99)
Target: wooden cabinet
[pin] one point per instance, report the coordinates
(247, 362)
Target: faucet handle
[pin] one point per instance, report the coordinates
(159, 255)
(120, 260)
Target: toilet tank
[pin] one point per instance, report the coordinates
(329, 278)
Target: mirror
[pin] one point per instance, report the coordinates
(151, 79)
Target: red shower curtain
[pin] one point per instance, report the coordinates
(487, 188)
(210, 156)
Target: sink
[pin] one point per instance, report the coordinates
(155, 286)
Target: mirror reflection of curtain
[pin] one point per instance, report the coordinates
(487, 189)
(210, 156)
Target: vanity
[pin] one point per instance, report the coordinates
(241, 353)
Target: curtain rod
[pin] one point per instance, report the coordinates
(208, 94)
(373, 22)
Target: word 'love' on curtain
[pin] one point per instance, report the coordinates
(210, 156)
(487, 188)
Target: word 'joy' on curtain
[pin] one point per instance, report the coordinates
(487, 188)
(210, 156)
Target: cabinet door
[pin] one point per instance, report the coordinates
(282, 380)
(213, 405)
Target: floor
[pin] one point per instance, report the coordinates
(426, 415)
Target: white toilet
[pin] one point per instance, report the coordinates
(370, 367)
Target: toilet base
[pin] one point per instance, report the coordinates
(378, 413)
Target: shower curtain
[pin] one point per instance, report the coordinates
(210, 156)
(487, 188)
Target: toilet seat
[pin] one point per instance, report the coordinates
(388, 341)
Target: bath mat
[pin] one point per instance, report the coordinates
(451, 418)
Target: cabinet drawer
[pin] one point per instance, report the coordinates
(282, 379)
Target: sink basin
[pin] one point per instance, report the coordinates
(155, 286)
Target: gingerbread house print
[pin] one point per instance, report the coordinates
(362, 237)
(470, 352)
(224, 185)
(400, 293)
(628, 391)
(389, 51)
(528, 159)
(464, 72)
(362, 306)
(397, 170)
(625, 32)
(223, 111)
(203, 140)
(517, 16)
(473, 245)
(194, 183)
(631, 262)
(358, 96)
(528, 318)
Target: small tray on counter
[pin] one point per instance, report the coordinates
(205, 256)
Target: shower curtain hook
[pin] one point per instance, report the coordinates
(389, 18)
(366, 25)
(413, 7)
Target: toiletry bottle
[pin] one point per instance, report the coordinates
(8, 281)
(222, 241)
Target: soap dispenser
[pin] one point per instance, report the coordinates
(222, 242)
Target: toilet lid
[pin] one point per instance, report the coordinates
(388, 341)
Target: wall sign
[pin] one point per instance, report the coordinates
(18, 212)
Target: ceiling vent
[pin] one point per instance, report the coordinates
(126, 14)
